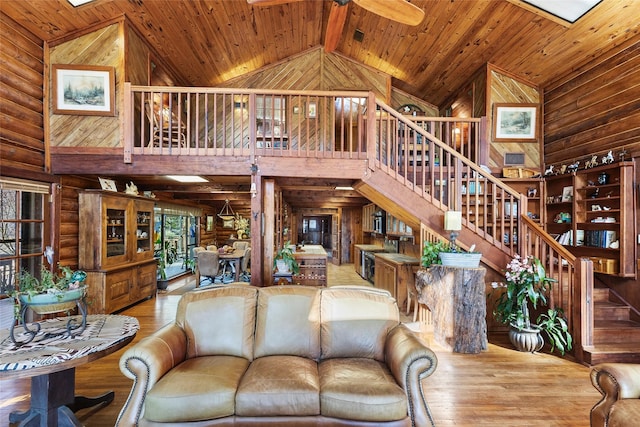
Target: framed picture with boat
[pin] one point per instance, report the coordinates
(83, 90)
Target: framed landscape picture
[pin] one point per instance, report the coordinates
(83, 90)
(515, 122)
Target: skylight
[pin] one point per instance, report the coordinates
(569, 10)
(76, 3)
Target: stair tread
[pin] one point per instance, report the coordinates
(629, 347)
(615, 324)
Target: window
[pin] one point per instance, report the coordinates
(22, 214)
(271, 116)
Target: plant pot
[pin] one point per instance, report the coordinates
(162, 284)
(527, 340)
(282, 266)
(53, 302)
(460, 259)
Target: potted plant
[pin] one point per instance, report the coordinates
(162, 282)
(440, 252)
(284, 260)
(527, 283)
(50, 293)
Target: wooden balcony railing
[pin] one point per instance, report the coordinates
(438, 158)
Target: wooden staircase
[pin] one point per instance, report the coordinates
(616, 335)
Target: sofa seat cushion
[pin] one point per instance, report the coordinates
(201, 388)
(625, 412)
(360, 389)
(279, 385)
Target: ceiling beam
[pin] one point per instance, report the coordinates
(335, 26)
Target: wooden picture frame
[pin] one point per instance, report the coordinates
(83, 90)
(515, 122)
(312, 110)
(567, 194)
(108, 184)
(210, 222)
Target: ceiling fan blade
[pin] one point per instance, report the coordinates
(397, 10)
(270, 2)
(335, 25)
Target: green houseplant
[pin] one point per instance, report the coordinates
(49, 292)
(284, 260)
(440, 252)
(527, 283)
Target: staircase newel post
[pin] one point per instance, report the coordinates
(371, 131)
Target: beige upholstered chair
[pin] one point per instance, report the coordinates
(240, 245)
(245, 274)
(212, 248)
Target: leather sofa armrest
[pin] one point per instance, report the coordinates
(145, 363)
(614, 381)
(410, 361)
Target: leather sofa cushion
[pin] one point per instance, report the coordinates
(202, 388)
(356, 323)
(223, 324)
(279, 385)
(288, 322)
(360, 389)
(625, 413)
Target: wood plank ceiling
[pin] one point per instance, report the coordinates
(207, 42)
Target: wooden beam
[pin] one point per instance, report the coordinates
(335, 26)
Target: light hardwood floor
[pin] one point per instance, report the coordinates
(499, 387)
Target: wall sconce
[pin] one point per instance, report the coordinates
(253, 190)
(453, 223)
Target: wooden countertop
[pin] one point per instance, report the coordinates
(370, 248)
(398, 258)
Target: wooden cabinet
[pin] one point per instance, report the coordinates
(116, 249)
(368, 212)
(395, 227)
(312, 260)
(393, 272)
(591, 212)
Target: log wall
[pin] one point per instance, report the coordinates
(595, 109)
(22, 150)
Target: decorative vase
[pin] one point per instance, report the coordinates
(162, 284)
(282, 266)
(460, 259)
(527, 340)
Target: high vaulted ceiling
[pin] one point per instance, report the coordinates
(206, 42)
(211, 41)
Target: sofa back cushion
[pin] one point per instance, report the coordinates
(355, 322)
(288, 322)
(219, 321)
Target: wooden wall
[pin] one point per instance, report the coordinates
(102, 47)
(22, 150)
(595, 109)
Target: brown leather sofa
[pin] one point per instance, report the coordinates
(282, 355)
(619, 384)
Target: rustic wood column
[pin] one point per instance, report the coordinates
(456, 299)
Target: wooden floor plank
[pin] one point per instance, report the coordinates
(499, 387)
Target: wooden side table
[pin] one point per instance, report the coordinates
(456, 298)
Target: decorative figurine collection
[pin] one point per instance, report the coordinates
(591, 163)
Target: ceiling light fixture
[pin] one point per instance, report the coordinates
(226, 213)
(187, 178)
(569, 10)
(344, 187)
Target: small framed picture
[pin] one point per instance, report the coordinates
(567, 194)
(312, 110)
(108, 184)
(515, 122)
(210, 222)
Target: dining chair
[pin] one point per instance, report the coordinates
(208, 265)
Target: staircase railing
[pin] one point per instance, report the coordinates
(439, 159)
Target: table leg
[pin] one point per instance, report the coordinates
(53, 401)
(237, 264)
